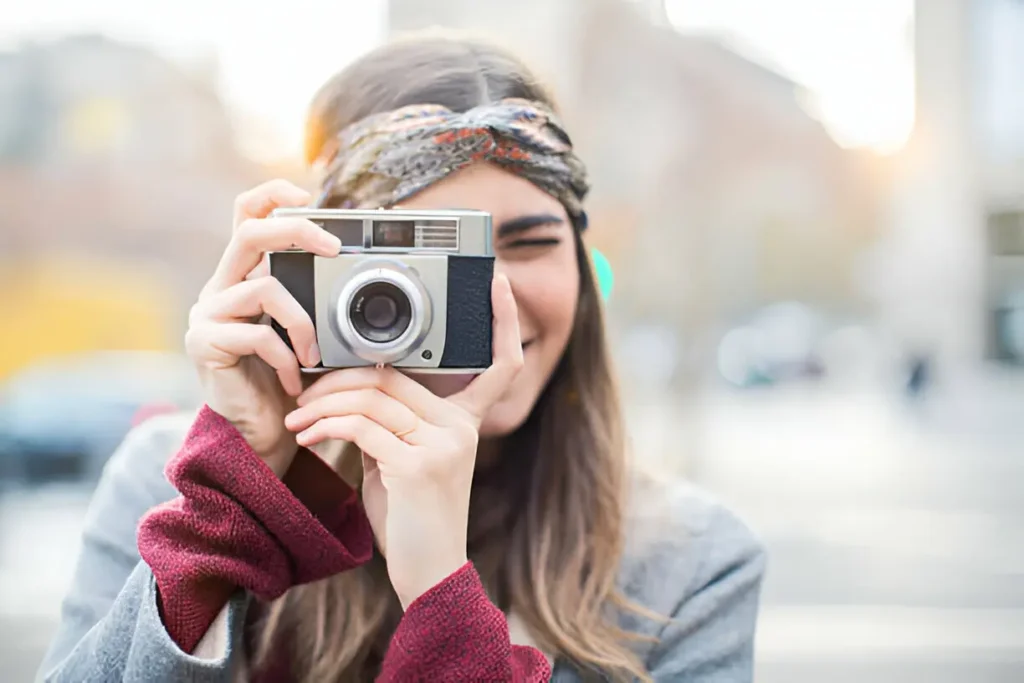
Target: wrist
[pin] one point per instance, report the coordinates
(409, 591)
(280, 456)
(277, 454)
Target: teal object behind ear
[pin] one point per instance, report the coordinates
(603, 271)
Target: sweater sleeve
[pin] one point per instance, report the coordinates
(453, 632)
(710, 636)
(232, 529)
(110, 627)
(236, 525)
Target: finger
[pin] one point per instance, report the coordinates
(262, 269)
(256, 237)
(224, 344)
(485, 390)
(388, 380)
(389, 413)
(265, 295)
(262, 199)
(374, 440)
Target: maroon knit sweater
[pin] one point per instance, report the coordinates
(236, 525)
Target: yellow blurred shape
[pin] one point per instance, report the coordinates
(69, 305)
(96, 124)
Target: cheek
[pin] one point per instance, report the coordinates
(546, 295)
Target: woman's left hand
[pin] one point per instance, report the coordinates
(419, 451)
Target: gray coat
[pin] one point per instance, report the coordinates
(688, 558)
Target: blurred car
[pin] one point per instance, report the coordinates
(64, 417)
(779, 342)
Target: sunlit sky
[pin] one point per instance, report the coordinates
(853, 55)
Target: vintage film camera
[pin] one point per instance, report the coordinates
(410, 289)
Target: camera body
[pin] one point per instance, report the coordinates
(410, 289)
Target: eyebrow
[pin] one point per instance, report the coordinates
(523, 223)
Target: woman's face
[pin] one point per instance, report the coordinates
(534, 246)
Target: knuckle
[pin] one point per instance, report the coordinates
(197, 338)
(195, 314)
(467, 436)
(388, 379)
(242, 200)
(190, 340)
(247, 231)
(318, 429)
(358, 427)
(302, 230)
(278, 185)
(464, 415)
(516, 363)
(462, 442)
(331, 405)
(265, 336)
(371, 399)
(265, 287)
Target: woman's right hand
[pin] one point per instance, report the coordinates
(247, 373)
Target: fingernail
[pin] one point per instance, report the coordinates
(313, 355)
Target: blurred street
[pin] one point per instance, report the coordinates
(895, 535)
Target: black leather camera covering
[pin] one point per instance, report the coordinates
(468, 337)
(294, 269)
(469, 334)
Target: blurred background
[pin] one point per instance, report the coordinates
(816, 224)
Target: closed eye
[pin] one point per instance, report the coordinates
(539, 242)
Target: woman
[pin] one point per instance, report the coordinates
(268, 566)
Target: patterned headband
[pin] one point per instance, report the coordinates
(388, 157)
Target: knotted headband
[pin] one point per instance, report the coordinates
(385, 158)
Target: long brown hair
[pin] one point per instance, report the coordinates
(546, 519)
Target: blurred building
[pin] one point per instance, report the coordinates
(954, 284)
(116, 174)
(997, 48)
(715, 191)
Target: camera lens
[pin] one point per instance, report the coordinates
(380, 312)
